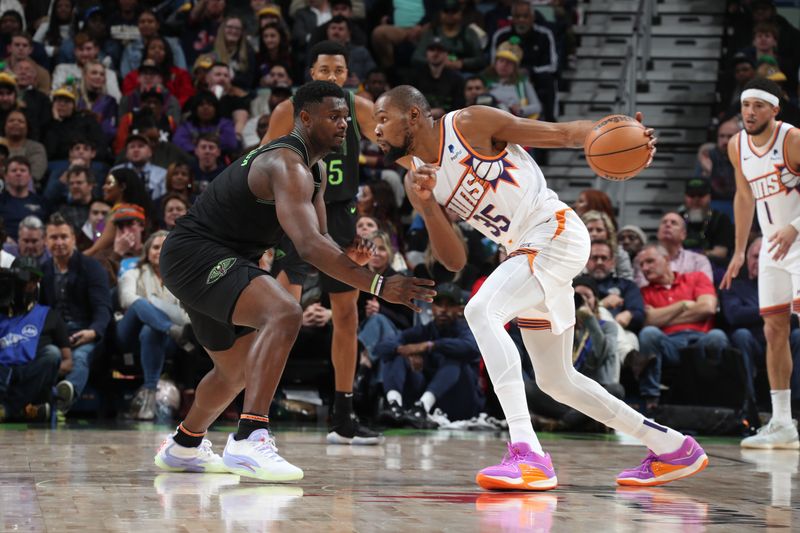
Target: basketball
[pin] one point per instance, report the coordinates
(616, 147)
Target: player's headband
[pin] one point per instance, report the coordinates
(761, 95)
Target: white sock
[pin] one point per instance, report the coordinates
(428, 400)
(658, 438)
(518, 417)
(781, 406)
(395, 396)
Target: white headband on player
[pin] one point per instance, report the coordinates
(761, 95)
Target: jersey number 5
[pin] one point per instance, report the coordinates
(335, 175)
(497, 224)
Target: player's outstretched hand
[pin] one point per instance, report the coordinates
(360, 251)
(423, 180)
(781, 241)
(733, 270)
(403, 290)
(651, 134)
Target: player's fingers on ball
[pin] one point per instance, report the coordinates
(639, 116)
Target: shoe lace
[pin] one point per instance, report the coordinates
(205, 449)
(513, 455)
(267, 446)
(648, 461)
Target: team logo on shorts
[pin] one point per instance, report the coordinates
(220, 269)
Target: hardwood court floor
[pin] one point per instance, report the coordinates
(87, 478)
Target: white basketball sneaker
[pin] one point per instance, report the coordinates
(257, 457)
(774, 436)
(173, 457)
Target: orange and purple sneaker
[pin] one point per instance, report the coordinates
(686, 461)
(521, 469)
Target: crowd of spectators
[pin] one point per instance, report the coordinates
(116, 116)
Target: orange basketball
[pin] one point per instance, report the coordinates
(616, 147)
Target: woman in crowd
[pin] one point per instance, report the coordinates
(273, 49)
(601, 228)
(231, 47)
(376, 199)
(122, 186)
(594, 200)
(58, 27)
(511, 87)
(154, 317)
(379, 319)
(177, 80)
(173, 206)
(204, 117)
(15, 131)
(180, 180)
(366, 226)
(149, 27)
(93, 98)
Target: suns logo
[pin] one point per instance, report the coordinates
(789, 180)
(492, 172)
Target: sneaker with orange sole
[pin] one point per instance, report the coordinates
(521, 469)
(686, 461)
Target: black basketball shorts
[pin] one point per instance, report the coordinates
(207, 278)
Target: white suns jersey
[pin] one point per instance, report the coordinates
(501, 196)
(775, 186)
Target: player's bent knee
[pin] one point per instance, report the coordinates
(476, 311)
(284, 319)
(776, 330)
(558, 388)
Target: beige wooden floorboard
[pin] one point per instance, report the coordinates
(104, 480)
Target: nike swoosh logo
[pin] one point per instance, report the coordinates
(746, 158)
(353, 210)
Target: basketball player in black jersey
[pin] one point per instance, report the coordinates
(329, 62)
(246, 321)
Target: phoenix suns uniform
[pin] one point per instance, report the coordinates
(776, 188)
(506, 198)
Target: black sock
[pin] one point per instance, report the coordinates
(248, 423)
(342, 406)
(189, 439)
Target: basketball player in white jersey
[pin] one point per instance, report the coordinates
(766, 156)
(471, 162)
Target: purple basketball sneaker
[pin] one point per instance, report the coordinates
(686, 461)
(521, 469)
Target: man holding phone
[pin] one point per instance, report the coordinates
(76, 286)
